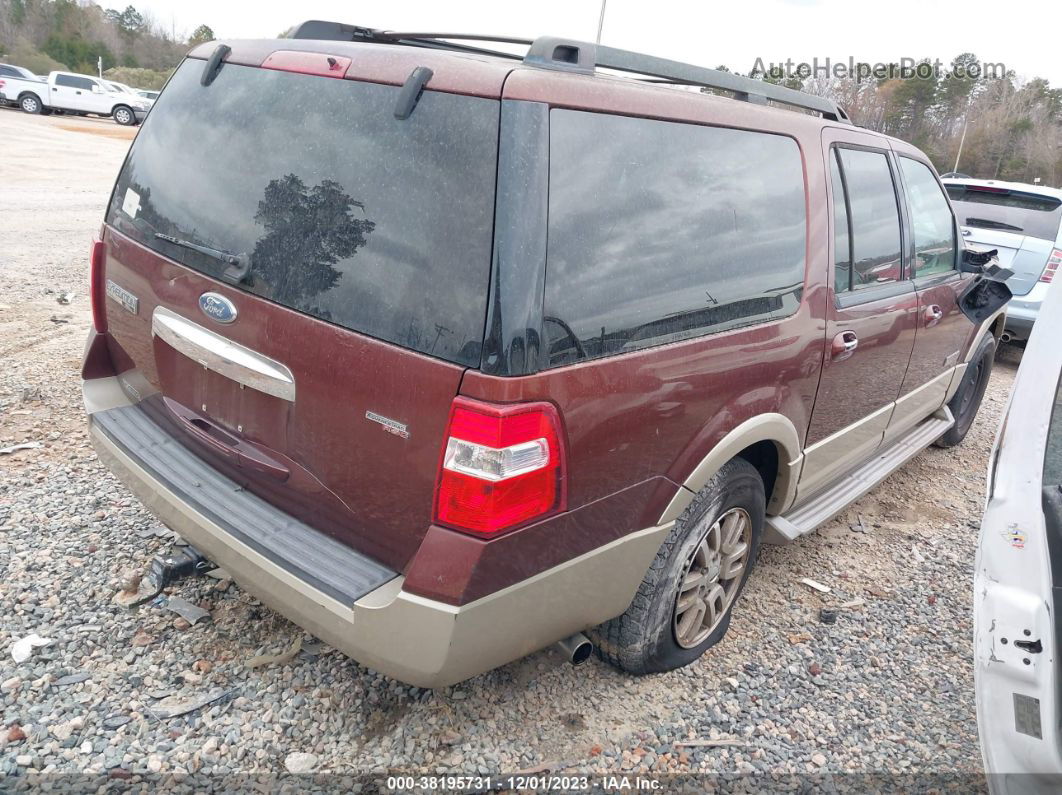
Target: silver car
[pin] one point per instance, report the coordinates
(1024, 222)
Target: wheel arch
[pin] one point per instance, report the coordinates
(769, 442)
(30, 93)
(994, 324)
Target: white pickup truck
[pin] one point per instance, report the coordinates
(74, 93)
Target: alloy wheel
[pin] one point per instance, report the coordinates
(712, 577)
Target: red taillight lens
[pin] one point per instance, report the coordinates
(1052, 266)
(502, 466)
(97, 286)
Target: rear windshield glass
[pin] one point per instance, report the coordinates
(345, 212)
(1008, 211)
(660, 231)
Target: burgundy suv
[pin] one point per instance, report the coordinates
(447, 354)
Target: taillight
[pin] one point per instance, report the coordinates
(97, 286)
(1052, 265)
(502, 466)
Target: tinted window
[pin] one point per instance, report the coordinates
(346, 213)
(74, 82)
(932, 223)
(1009, 211)
(8, 71)
(875, 218)
(661, 231)
(842, 252)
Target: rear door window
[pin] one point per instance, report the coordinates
(69, 81)
(932, 223)
(661, 231)
(346, 213)
(989, 207)
(842, 245)
(875, 218)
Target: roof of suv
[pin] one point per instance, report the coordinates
(554, 70)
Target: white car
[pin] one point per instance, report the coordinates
(122, 88)
(1018, 579)
(1023, 222)
(75, 93)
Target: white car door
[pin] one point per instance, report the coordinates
(1016, 605)
(69, 92)
(101, 98)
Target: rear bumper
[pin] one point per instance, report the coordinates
(417, 640)
(140, 115)
(1022, 311)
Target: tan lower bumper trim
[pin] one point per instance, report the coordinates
(419, 641)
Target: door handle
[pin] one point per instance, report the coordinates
(843, 346)
(933, 315)
(54, 88)
(225, 444)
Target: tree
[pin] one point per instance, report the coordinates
(130, 22)
(201, 34)
(316, 228)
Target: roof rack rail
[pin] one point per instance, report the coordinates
(550, 52)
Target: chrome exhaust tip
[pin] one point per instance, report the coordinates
(1005, 337)
(577, 649)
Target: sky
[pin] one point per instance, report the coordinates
(1023, 34)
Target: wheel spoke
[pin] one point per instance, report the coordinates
(733, 562)
(733, 529)
(690, 621)
(694, 579)
(686, 601)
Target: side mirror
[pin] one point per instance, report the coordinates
(96, 89)
(977, 260)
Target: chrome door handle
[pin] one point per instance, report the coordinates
(843, 346)
(933, 315)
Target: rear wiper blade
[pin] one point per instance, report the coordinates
(239, 264)
(988, 224)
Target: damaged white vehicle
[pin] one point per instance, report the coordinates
(1018, 581)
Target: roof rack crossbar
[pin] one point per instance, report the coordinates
(578, 56)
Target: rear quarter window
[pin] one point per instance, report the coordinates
(662, 231)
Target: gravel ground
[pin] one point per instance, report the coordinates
(887, 689)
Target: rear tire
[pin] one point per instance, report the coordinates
(30, 103)
(124, 116)
(684, 604)
(966, 401)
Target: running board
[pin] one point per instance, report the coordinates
(823, 506)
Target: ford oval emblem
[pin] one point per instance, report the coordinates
(217, 307)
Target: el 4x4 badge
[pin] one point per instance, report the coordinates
(389, 425)
(1015, 537)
